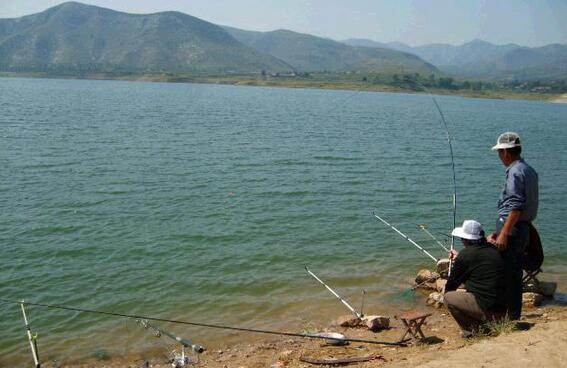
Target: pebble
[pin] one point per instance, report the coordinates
(279, 364)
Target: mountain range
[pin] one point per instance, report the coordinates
(77, 37)
(483, 59)
(74, 37)
(311, 53)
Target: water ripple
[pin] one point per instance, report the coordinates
(183, 200)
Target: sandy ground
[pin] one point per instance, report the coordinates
(562, 99)
(544, 345)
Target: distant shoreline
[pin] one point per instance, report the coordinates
(561, 99)
(294, 83)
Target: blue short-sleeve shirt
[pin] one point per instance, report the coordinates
(520, 191)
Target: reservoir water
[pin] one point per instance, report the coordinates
(205, 202)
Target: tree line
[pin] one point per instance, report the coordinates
(416, 82)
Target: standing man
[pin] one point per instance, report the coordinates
(517, 208)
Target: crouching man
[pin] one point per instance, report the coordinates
(479, 266)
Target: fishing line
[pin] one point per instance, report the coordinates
(449, 140)
(199, 324)
(424, 228)
(405, 237)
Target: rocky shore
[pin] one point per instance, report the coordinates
(535, 290)
(538, 339)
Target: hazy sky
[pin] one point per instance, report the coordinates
(416, 22)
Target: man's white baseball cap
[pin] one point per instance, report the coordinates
(471, 230)
(507, 140)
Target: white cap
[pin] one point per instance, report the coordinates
(507, 140)
(470, 230)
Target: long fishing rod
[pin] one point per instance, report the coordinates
(449, 140)
(199, 324)
(184, 342)
(424, 228)
(358, 315)
(179, 361)
(405, 236)
(32, 339)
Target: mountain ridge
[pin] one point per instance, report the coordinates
(75, 36)
(311, 53)
(78, 38)
(479, 58)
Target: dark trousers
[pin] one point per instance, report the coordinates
(513, 272)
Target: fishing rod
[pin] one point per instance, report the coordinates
(449, 140)
(178, 361)
(362, 302)
(405, 236)
(31, 338)
(184, 342)
(424, 228)
(358, 315)
(200, 324)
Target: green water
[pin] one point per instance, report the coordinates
(204, 203)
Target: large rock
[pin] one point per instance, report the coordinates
(376, 323)
(532, 299)
(426, 286)
(435, 300)
(443, 267)
(440, 285)
(426, 276)
(348, 321)
(544, 288)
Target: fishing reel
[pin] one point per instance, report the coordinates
(178, 360)
(182, 360)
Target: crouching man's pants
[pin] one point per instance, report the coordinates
(466, 311)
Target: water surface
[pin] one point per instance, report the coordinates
(205, 202)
